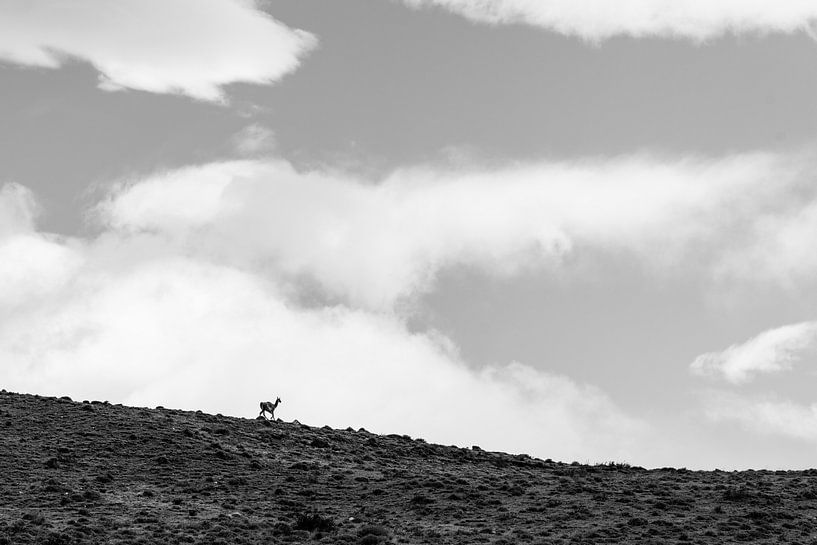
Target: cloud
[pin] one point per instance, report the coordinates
(160, 46)
(373, 245)
(772, 351)
(780, 249)
(139, 320)
(33, 264)
(596, 20)
(18, 209)
(254, 141)
(765, 415)
(178, 200)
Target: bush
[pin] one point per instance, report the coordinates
(615, 465)
(314, 522)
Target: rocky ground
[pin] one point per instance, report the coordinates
(91, 472)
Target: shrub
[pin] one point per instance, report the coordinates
(616, 465)
(312, 522)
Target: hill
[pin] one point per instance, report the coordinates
(92, 472)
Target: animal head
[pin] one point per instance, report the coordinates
(277, 400)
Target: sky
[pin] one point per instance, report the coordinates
(561, 228)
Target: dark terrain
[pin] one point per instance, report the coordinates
(80, 472)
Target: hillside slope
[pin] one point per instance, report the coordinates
(75, 473)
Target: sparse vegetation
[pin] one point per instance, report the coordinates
(167, 477)
(313, 522)
(615, 465)
(736, 494)
(372, 535)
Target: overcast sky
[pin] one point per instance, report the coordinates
(577, 229)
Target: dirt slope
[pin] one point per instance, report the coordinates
(98, 473)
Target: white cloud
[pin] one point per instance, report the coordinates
(772, 351)
(254, 141)
(601, 19)
(182, 199)
(161, 46)
(765, 415)
(18, 209)
(31, 264)
(373, 244)
(781, 248)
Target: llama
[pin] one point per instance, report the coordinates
(269, 407)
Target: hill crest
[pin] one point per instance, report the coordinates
(91, 472)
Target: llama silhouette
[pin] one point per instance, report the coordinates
(269, 407)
